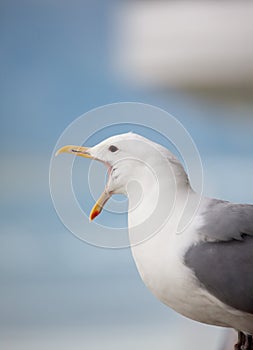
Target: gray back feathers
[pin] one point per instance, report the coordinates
(223, 262)
(225, 270)
(224, 221)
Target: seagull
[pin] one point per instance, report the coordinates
(204, 270)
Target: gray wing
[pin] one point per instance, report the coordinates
(225, 269)
(224, 221)
(223, 264)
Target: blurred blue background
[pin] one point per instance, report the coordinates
(57, 62)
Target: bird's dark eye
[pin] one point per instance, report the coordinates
(113, 148)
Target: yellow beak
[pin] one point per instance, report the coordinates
(98, 207)
(77, 150)
(84, 152)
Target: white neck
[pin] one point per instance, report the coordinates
(156, 198)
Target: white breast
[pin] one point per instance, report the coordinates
(160, 262)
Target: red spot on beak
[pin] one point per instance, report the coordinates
(94, 214)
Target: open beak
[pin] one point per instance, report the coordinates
(84, 152)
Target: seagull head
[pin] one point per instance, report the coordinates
(127, 157)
